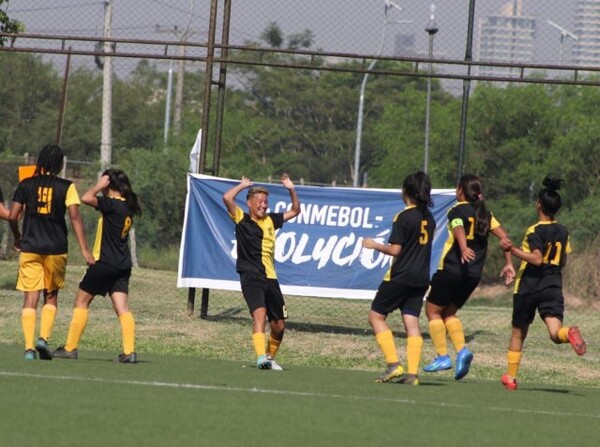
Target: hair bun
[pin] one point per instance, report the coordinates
(553, 183)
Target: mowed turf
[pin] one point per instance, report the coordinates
(183, 400)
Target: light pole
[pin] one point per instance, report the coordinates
(563, 33)
(431, 29)
(387, 5)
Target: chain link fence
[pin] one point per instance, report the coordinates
(159, 52)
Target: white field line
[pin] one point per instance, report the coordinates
(194, 386)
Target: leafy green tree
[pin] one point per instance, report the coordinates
(273, 35)
(8, 25)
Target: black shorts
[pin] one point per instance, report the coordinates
(391, 296)
(101, 278)
(259, 292)
(548, 302)
(447, 289)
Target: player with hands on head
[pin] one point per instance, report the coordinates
(255, 236)
(543, 254)
(113, 197)
(42, 201)
(459, 273)
(407, 280)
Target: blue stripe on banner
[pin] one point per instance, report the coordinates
(318, 253)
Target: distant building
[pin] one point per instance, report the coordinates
(586, 50)
(507, 37)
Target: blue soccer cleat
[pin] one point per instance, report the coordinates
(263, 362)
(30, 355)
(440, 363)
(463, 361)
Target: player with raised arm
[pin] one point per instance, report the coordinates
(255, 235)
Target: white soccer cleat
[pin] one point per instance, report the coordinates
(274, 365)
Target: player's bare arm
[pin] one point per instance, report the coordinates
(90, 196)
(388, 249)
(231, 194)
(289, 185)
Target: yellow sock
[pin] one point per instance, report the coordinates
(258, 340)
(273, 346)
(563, 334)
(78, 323)
(385, 340)
(47, 321)
(414, 346)
(456, 333)
(513, 359)
(28, 324)
(127, 332)
(437, 332)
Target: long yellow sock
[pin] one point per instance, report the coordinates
(127, 332)
(414, 346)
(28, 324)
(78, 323)
(513, 359)
(563, 334)
(258, 341)
(385, 340)
(456, 333)
(437, 332)
(273, 346)
(47, 321)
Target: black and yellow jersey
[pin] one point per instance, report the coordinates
(552, 240)
(110, 245)
(256, 242)
(45, 228)
(463, 214)
(414, 232)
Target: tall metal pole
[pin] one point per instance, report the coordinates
(431, 29)
(361, 100)
(466, 88)
(63, 100)
(168, 106)
(106, 140)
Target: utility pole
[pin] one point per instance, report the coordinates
(106, 141)
(431, 29)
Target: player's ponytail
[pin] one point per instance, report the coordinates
(417, 187)
(48, 166)
(473, 191)
(549, 198)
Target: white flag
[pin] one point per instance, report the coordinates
(195, 153)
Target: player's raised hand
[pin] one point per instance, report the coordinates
(246, 182)
(286, 181)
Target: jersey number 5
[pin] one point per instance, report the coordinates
(424, 239)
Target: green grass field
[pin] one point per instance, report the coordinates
(183, 400)
(196, 383)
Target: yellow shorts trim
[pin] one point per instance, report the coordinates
(41, 272)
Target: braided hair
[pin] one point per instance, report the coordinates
(48, 166)
(473, 191)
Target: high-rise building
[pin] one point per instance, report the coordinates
(506, 37)
(586, 50)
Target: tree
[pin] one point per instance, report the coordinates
(8, 25)
(273, 35)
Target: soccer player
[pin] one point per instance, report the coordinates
(43, 200)
(255, 235)
(406, 282)
(459, 273)
(538, 286)
(113, 197)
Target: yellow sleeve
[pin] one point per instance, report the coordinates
(72, 196)
(494, 223)
(239, 215)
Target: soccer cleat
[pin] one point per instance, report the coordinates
(126, 358)
(263, 362)
(30, 355)
(440, 363)
(42, 348)
(409, 379)
(274, 365)
(576, 340)
(509, 382)
(62, 353)
(392, 371)
(463, 361)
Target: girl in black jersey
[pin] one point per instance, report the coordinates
(538, 286)
(406, 282)
(117, 202)
(459, 273)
